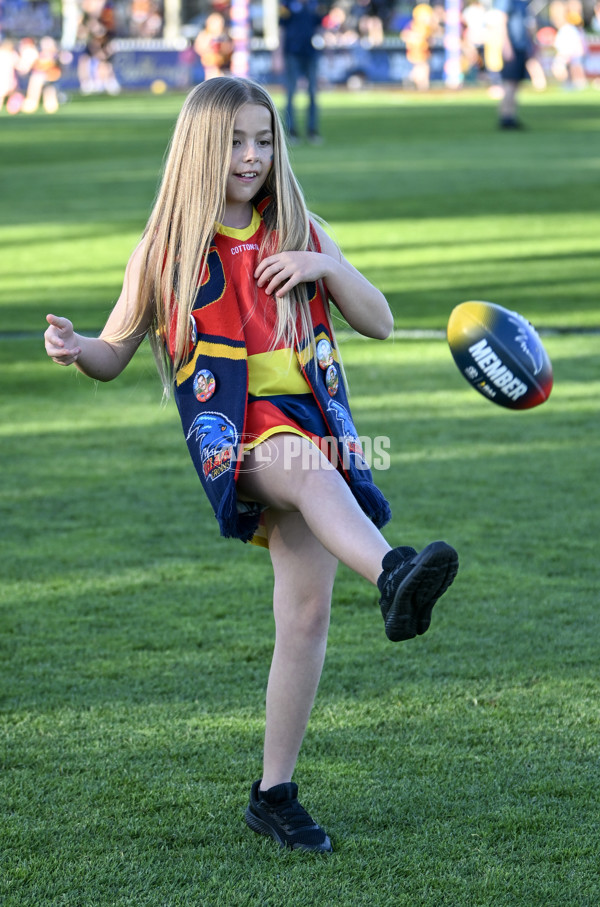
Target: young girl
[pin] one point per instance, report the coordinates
(231, 283)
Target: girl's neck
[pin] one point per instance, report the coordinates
(238, 216)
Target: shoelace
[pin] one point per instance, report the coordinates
(293, 814)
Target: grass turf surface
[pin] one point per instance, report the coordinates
(460, 768)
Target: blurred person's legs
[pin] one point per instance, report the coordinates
(34, 92)
(50, 98)
(513, 72)
(311, 73)
(86, 74)
(578, 76)
(107, 77)
(537, 74)
(508, 103)
(292, 74)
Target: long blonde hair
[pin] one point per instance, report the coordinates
(191, 200)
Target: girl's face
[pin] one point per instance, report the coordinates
(251, 156)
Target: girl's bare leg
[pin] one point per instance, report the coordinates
(304, 574)
(410, 582)
(305, 481)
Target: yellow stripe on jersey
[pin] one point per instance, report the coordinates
(206, 348)
(275, 372)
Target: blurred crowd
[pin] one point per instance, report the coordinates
(559, 34)
(29, 75)
(30, 67)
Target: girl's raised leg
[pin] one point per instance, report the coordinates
(298, 477)
(292, 474)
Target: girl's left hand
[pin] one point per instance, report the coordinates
(280, 273)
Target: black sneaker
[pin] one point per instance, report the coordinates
(410, 585)
(277, 813)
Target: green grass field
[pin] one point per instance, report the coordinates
(459, 769)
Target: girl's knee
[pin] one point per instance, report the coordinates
(308, 618)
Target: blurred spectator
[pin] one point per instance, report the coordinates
(298, 55)
(28, 54)
(338, 30)
(535, 69)
(8, 74)
(145, 19)
(514, 41)
(417, 37)
(24, 57)
(370, 28)
(214, 46)
(350, 21)
(570, 44)
(474, 18)
(438, 25)
(97, 31)
(492, 51)
(43, 79)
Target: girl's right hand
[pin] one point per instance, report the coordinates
(60, 341)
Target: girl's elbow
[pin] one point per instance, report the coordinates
(384, 327)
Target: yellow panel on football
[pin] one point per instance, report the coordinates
(465, 318)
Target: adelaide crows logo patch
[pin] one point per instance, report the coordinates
(347, 432)
(218, 439)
